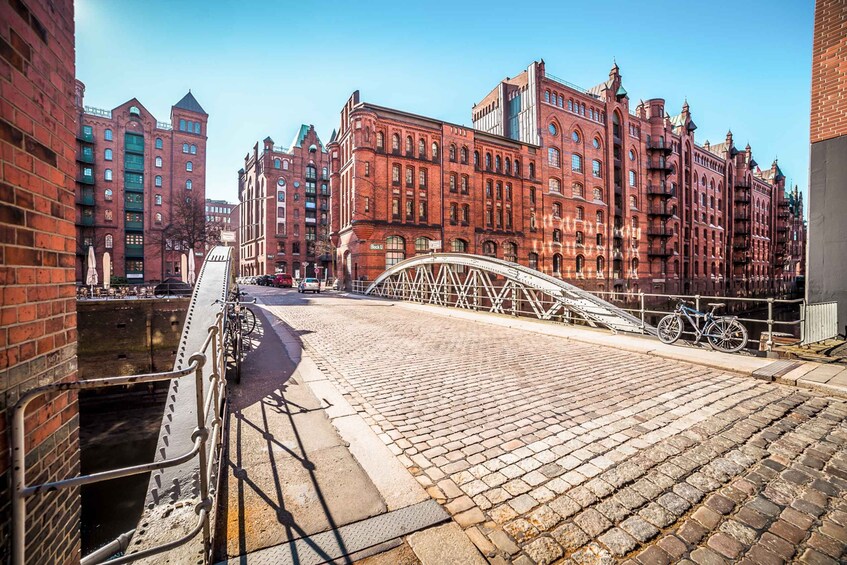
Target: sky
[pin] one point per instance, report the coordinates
(263, 68)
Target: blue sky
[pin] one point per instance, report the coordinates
(263, 68)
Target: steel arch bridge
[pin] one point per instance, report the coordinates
(476, 282)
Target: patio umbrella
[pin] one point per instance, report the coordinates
(107, 271)
(191, 275)
(91, 277)
(183, 272)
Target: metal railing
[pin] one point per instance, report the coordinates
(209, 408)
(646, 305)
(91, 110)
(821, 322)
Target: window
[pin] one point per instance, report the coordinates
(422, 211)
(576, 163)
(596, 143)
(452, 153)
(158, 200)
(422, 244)
(410, 210)
(464, 156)
(508, 166)
(599, 240)
(453, 182)
(395, 143)
(108, 195)
(159, 143)
(395, 208)
(533, 261)
(107, 154)
(547, 96)
(409, 145)
(380, 141)
(631, 155)
(422, 178)
(553, 157)
(188, 184)
(557, 210)
(410, 176)
(509, 191)
(107, 215)
(466, 213)
(285, 164)
(182, 125)
(158, 180)
(189, 166)
(578, 190)
(488, 188)
(422, 148)
(517, 168)
(600, 216)
(459, 246)
(510, 252)
(185, 148)
(531, 170)
(193, 149)
(489, 249)
(634, 224)
(575, 136)
(580, 213)
(552, 129)
(598, 193)
(109, 241)
(434, 149)
(498, 163)
(464, 185)
(600, 265)
(107, 174)
(632, 178)
(488, 161)
(395, 174)
(197, 128)
(158, 217)
(395, 250)
(158, 162)
(454, 212)
(555, 186)
(557, 264)
(580, 264)
(580, 238)
(367, 169)
(107, 135)
(597, 169)
(633, 202)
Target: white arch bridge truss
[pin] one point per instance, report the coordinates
(487, 284)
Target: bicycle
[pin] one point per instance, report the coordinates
(240, 321)
(724, 333)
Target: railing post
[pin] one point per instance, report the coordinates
(18, 485)
(770, 325)
(203, 433)
(641, 296)
(803, 322)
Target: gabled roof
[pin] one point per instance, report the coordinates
(718, 149)
(190, 103)
(301, 137)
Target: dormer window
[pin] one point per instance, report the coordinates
(134, 111)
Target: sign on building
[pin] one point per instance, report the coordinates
(227, 236)
(435, 245)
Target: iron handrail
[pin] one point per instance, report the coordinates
(200, 436)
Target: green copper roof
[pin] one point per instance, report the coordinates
(621, 92)
(301, 137)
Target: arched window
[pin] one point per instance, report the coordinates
(395, 250)
(422, 245)
(510, 252)
(597, 169)
(596, 142)
(459, 246)
(188, 184)
(158, 200)
(517, 168)
(547, 96)
(600, 264)
(107, 174)
(277, 163)
(189, 166)
(599, 216)
(453, 182)
(395, 173)
(634, 224)
(489, 249)
(158, 180)
(580, 264)
(395, 142)
(598, 193)
(557, 210)
(555, 185)
(158, 162)
(533, 261)
(557, 236)
(476, 158)
(580, 239)
(434, 149)
(580, 213)
(185, 148)
(410, 145)
(108, 194)
(109, 241)
(633, 202)
(488, 161)
(531, 170)
(578, 190)
(508, 166)
(463, 154)
(158, 217)
(575, 136)
(464, 185)
(193, 149)
(107, 154)
(557, 264)
(107, 135)
(421, 148)
(498, 163)
(634, 267)
(576, 163)
(380, 140)
(554, 158)
(452, 153)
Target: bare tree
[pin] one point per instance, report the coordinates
(188, 229)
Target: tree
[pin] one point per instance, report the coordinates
(188, 229)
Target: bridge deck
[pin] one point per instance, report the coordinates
(550, 446)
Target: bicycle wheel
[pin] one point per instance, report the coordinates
(248, 320)
(726, 334)
(669, 328)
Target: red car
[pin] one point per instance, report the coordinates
(282, 280)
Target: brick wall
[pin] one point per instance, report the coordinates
(38, 312)
(829, 70)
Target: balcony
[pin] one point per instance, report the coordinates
(665, 211)
(660, 190)
(132, 147)
(742, 197)
(660, 251)
(87, 220)
(134, 206)
(86, 197)
(784, 204)
(85, 179)
(659, 231)
(742, 229)
(86, 137)
(741, 260)
(783, 214)
(658, 165)
(660, 145)
(133, 225)
(782, 228)
(85, 156)
(740, 246)
(134, 251)
(742, 183)
(742, 217)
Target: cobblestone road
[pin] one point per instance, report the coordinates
(551, 451)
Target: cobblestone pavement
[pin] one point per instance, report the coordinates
(551, 451)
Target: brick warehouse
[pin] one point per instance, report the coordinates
(571, 181)
(132, 171)
(37, 305)
(284, 208)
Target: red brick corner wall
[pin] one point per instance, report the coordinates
(829, 71)
(37, 305)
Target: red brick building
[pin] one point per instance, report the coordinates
(573, 182)
(132, 171)
(37, 300)
(284, 208)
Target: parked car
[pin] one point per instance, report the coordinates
(282, 280)
(264, 280)
(309, 285)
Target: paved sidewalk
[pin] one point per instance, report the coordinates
(593, 448)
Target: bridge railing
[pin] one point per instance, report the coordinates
(209, 409)
(772, 315)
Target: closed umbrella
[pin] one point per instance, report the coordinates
(91, 277)
(107, 270)
(191, 275)
(183, 271)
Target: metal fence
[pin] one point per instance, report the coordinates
(770, 321)
(821, 322)
(210, 403)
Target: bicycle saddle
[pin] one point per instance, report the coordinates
(716, 304)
